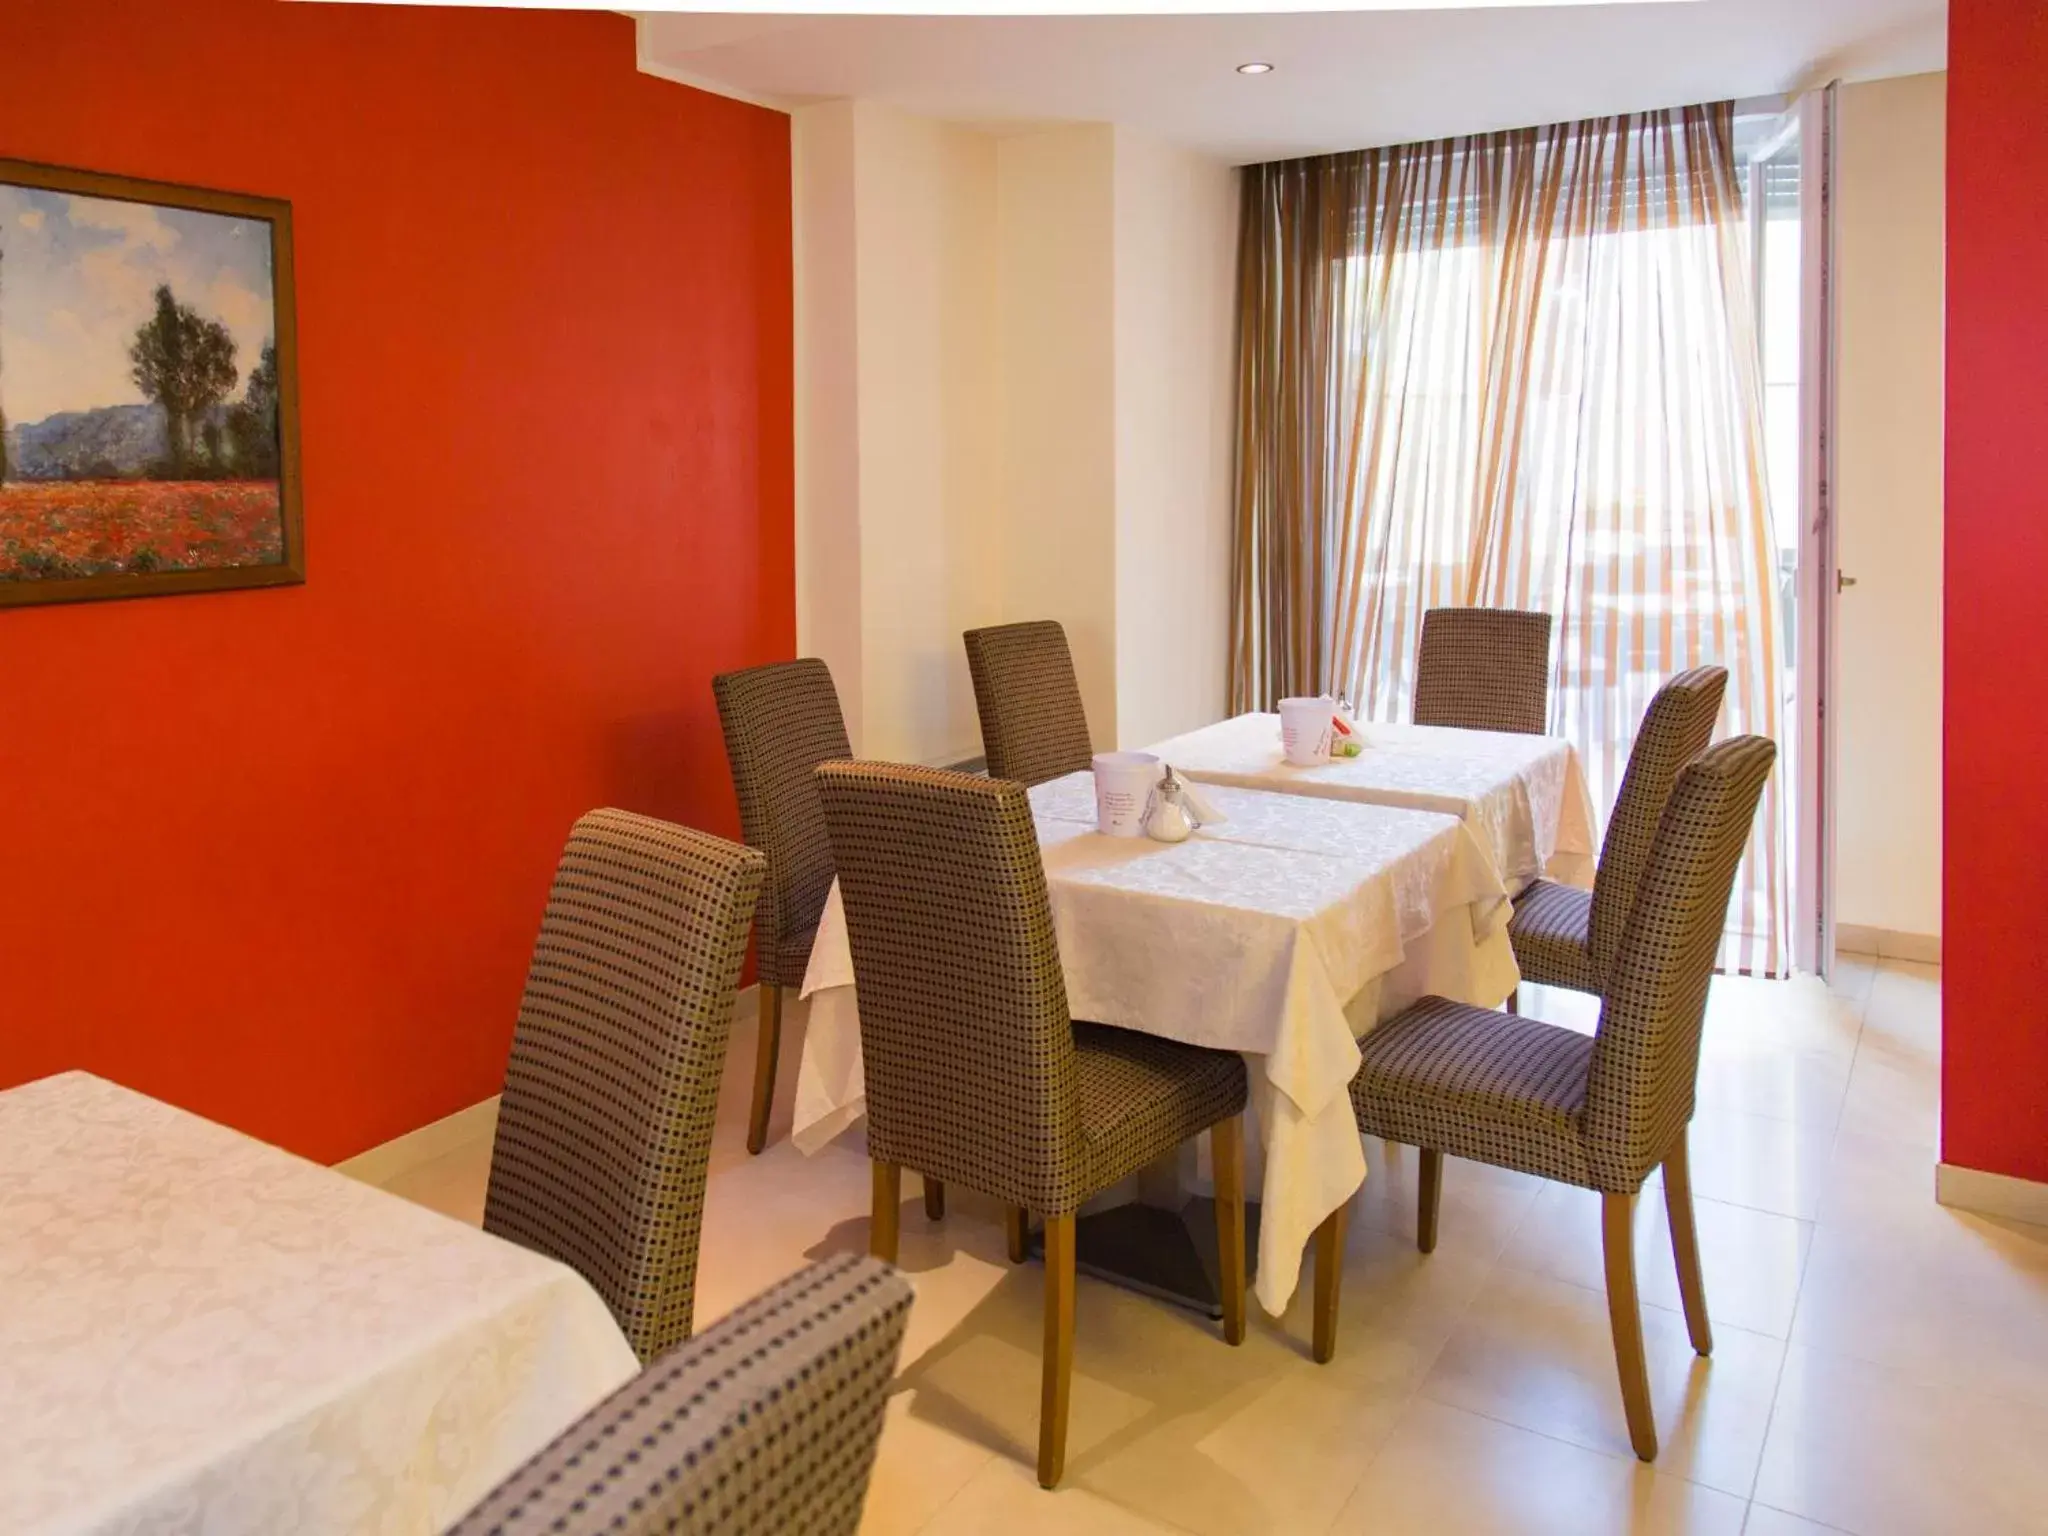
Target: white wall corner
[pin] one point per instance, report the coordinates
(647, 63)
(929, 485)
(1014, 396)
(1176, 277)
(1056, 285)
(825, 268)
(1991, 1194)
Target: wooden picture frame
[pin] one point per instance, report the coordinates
(84, 502)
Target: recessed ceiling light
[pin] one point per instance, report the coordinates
(1255, 69)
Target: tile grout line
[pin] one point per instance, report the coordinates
(1622, 1458)
(1792, 1514)
(1760, 1210)
(1481, 1413)
(1777, 1387)
(1834, 1146)
(1414, 1392)
(1748, 1499)
(1805, 1272)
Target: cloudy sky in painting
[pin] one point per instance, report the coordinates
(77, 279)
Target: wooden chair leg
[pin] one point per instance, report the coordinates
(1429, 1199)
(1617, 1236)
(1226, 1144)
(1329, 1276)
(1058, 1364)
(883, 1222)
(934, 1200)
(1685, 1247)
(1017, 1232)
(767, 1045)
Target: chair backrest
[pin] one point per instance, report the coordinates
(1033, 726)
(1676, 729)
(767, 1422)
(1646, 1050)
(604, 1129)
(1485, 669)
(780, 722)
(965, 1038)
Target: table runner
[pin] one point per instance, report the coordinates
(201, 1333)
(1525, 797)
(1281, 934)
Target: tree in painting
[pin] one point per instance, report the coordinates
(186, 364)
(252, 423)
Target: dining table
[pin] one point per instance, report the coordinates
(1282, 932)
(1524, 797)
(201, 1333)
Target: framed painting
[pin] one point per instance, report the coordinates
(149, 403)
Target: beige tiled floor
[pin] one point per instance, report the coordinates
(1881, 1363)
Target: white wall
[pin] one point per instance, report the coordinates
(925, 252)
(1889, 244)
(828, 592)
(1014, 396)
(1176, 244)
(898, 479)
(1056, 223)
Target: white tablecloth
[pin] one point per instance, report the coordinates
(1524, 796)
(201, 1333)
(1283, 934)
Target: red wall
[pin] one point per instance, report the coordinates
(279, 856)
(1995, 883)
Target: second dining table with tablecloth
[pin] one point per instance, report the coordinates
(1524, 797)
(1282, 933)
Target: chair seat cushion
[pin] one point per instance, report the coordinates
(1552, 931)
(1493, 1087)
(1141, 1097)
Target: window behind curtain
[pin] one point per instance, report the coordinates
(1533, 383)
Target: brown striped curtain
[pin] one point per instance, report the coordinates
(1517, 370)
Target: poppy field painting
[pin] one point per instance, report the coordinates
(148, 389)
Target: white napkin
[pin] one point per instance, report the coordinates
(1200, 806)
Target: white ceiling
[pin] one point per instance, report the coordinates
(1342, 80)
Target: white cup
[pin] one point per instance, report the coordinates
(1305, 730)
(1123, 786)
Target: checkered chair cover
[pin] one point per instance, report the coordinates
(1484, 669)
(780, 722)
(1033, 726)
(1566, 937)
(604, 1128)
(1600, 1112)
(765, 1424)
(976, 1074)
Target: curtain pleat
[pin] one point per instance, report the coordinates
(1517, 370)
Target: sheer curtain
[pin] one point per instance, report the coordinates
(1517, 370)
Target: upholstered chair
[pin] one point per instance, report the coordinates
(767, 1422)
(1485, 669)
(1033, 727)
(1566, 937)
(1601, 1111)
(976, 1074)
(780, 722)
(604, 1127)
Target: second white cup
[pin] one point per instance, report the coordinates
(1305, 730)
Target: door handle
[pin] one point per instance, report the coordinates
(1842, 582)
